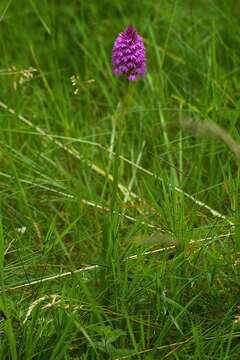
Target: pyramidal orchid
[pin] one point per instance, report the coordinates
(128, 54)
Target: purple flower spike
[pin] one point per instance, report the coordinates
(128, 54)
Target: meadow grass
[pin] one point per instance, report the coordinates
(119, 229)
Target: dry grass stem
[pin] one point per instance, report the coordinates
(101, 172)
(209, 128)
(95, 267)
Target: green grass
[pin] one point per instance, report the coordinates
(93, 194)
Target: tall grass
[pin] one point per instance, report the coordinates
(119, 234)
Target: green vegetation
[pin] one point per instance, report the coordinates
(119, 228)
